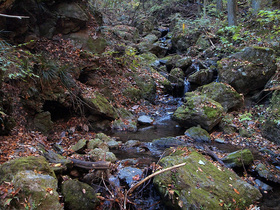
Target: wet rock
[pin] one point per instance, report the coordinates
(79, 146)
(202, 77)
(145, 120)
(128, 175)
(79, 195)
(35, 186)
(98, 154)
(43, 122)
(124, 125)
(9, 169)
(168, 142)
(198, 134)
(132, 143)
(239, 158)
(271, 127)
(176, 77)
(199, 110)
(201, 184)
(269, 173)
(262, 186)
(248, 70)
(184, 62)
(160, 49)
(113, 144)
(224, 94)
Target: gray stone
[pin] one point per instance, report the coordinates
(145, 120)
(198, 134)
(79, 195)
(126, 174)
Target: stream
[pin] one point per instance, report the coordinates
(146, 154)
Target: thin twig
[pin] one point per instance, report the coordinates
(107, 187)
(14, 16)
(152, 175)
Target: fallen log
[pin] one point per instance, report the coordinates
(53, 157)
(99, 165)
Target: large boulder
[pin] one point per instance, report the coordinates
(43, 122)
(71, 17)
(271, 127)
(199, 110)
(36, 181)
(224, 94)
(147, 43)
(239, 158)
(202, 77)
(248, 70)
(79, 195)
(202, 185)
(99, 105)
(9, 169)
(40, 189)
(122, 32)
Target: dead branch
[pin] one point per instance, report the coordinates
(149, 177)
(14, 16)
(213, 155)
(99, 165)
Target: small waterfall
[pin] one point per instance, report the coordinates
(187, 85)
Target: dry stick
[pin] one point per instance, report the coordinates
(14, 16)
(149, 177)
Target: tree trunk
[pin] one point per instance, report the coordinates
(219, 6)
(256, 6)
(231, 7)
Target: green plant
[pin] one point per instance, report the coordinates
(270, 19)
(245, 116)
(16, 63)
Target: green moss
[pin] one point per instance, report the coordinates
(11, 168)
(103, 105)
(201, 184)
(210, 112)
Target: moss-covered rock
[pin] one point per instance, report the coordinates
(202, 77)
(79, 146)
(202, 43)
(224, 94)
(124, 125)
(99, 105)
(199, 110)
(122, 32)
(39, 189)
(9, 169)
(198, 134)
(147, 86)
(271, 127)
(248, 70)
(183, 38)
(226, 124)
(43, 122)
(147, 43)
(79, 195)
(98, 154)
(201, 185)
(239, 158)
